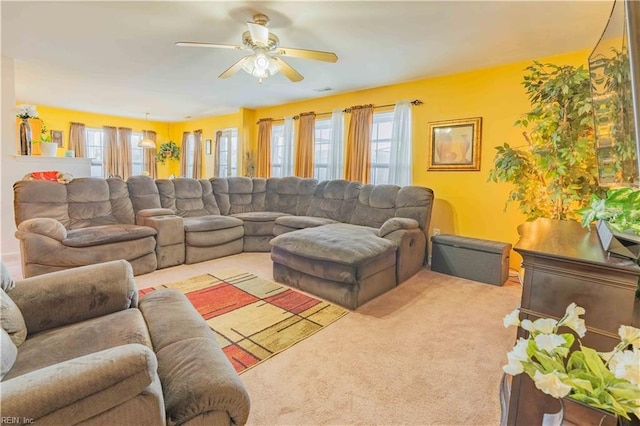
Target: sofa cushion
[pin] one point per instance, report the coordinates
(40, 198)
(376, 204)
(290, 194)
(259, 216)
(11, 319)
(98, 235)
(301, 222)
(240, 194)
(143, 193)
(334, 199)
(97, 201)
(340, 243)
(210, 223)
(78, 339)
(6, 282)
(395, 224)
(9, 353)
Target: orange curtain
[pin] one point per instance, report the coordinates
(124, 146)
(197, 154)
(359, 144)
(263, 168)
(111, 155)
(216, 154)
(183, 154)
(149, 163)
(77, 139)
(305, 147)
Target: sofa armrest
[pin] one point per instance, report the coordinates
(78, 389)
(145, 213)
(395, 224)
(44, 226)
(72, 295)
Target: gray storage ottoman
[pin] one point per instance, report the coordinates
(471, 258)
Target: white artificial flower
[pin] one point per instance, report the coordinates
(549, 342)
(545, 325)
(519, 351)
(512, 319)
(527, 325)
(27, 111)
(626, 365)
(513, 368)
(551, 384)
(630, 335)
(573, 321)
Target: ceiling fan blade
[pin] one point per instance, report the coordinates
(201, 44)
(234, 68)
(287, 70)
(317, 55)
(259, 34)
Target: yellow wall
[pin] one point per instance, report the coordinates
(466, 204)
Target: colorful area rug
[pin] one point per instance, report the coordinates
(253, 318)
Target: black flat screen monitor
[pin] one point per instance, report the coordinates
(614, 66)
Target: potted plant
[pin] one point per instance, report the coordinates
(168, 151)
(47, 147)
(555, 173)
(599, 381)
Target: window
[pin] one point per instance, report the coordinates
(228, 153)
(94, 147)
(321, 149)
(136, 154)
(191, 147)
(277, 150)
(95, 150)
(381, 146)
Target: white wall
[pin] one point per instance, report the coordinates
(8, 242)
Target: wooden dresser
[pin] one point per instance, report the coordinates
(564, 263)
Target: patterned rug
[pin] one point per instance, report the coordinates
(253, 318)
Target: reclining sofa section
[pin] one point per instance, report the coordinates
(341, 240)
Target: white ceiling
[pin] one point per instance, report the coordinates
(119, 58)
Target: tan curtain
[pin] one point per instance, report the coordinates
(359, 144)
(183, 154)
(197, 154)
(111, 155)
(263, 168)
(305, 146)
(124, 146)
(216, 154)
(149, 163)
(77, 139)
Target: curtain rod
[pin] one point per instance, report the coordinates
(415, 102)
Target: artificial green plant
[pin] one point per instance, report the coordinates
(555, 173)
(168, 151)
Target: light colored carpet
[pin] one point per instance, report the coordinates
(429, 352)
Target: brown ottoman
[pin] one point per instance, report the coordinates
(342, 263)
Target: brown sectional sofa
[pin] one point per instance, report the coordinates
(342, 240)
(78, 347)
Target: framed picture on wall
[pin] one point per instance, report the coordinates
(207, 146)
(56, 137)
(454, 145)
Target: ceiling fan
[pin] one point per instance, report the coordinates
(265, 60)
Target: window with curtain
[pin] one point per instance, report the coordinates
(190, 157)
(228, 153)
(94, 148)
(277, 150)
(381, 135)
(322, 148)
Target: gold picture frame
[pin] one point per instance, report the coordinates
(454, 145)
(56, 137)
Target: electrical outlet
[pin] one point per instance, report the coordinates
(436, 231)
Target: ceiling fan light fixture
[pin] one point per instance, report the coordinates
(261, 66)
(146, 142)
